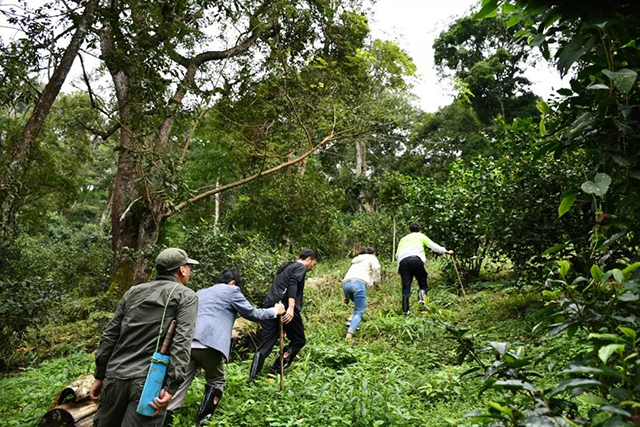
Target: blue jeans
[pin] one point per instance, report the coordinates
(356, 291)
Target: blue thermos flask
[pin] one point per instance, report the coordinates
(155, 376)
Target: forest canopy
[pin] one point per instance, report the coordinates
(244, 132)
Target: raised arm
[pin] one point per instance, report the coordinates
(427, 242)
(246, 310)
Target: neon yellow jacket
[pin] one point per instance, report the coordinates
(413, 244)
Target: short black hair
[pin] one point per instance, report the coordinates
(308, 253)
(414, 227)
(369, 250)
(228, 275)
(162, 271)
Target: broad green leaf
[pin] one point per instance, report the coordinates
(545, 149)
(564, 267)
(592, 399)
(603, 181)
(561, 327)
(514, 20)
(520, 33)
(505, 410)
(579, 279)
(585, 120)
(609, 372)
(543, 107)
(628, 332)
(631, 268)
(608, 350)
(607, 337)
(515, 385)
(596, 273)
(489, 9)
(568, 199)
(571, 384)
(599, 186)
(623, 80)
(543, 128)
(509, 8)
(614, 410)
(573, 51)
(628, 297)
(618, 275)
(551, 19)
(555, 248)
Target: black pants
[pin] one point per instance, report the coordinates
(118, 403)
(409, 268)
(271, 334)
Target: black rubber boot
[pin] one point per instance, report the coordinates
(289, 355)
(405, 305)
(168, 419)
(256, 366)
(421, 294)
(209, 404)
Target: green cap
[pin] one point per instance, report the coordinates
(172, 258)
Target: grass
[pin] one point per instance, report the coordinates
(400, 371)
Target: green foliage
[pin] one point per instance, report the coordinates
(254, 258)
(25, 399)
(483, 54)
(42, 275)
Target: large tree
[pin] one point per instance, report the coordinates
(172, 65)
(484, 55)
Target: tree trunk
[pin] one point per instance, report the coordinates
(49, 95)
(216, 217)
(361, 157)
(52, 89)
(393, 253)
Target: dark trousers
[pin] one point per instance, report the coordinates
(409, 268)
(271, 334)
(118, 404)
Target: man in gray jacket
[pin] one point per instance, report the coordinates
(218, 306)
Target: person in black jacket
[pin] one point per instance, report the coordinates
(288, 287)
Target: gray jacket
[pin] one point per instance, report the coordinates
(217, 309)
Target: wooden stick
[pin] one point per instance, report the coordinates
(281, 354)
(168, 337)
(455, 267)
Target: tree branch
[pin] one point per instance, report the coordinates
(248, 179)
(104, 134)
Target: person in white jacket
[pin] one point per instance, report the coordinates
(364, 273)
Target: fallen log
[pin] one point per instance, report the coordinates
(73, 406)
(71, 414)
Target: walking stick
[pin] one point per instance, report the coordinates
(281, 355)
(455, 267)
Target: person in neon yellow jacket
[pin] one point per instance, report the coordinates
(411, 259)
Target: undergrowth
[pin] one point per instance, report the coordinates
(401, 370)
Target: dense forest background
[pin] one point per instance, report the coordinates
(246, 131)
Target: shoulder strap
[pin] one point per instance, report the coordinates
(163, 315)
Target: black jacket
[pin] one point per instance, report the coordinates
(288, 283)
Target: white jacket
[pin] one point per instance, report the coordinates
(364, 267)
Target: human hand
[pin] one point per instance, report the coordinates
(159, 403)
(288, 316)
(346, 300)
(96, 389)
(449, 252)
(279, 308)
(377, 286)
